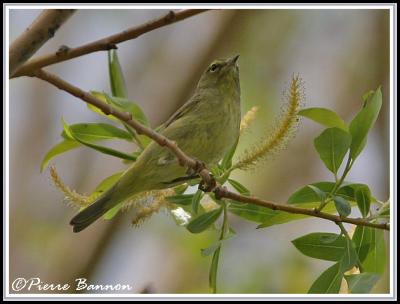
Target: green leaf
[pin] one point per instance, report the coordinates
(117, 81)
(202, 222)
(329, 239)
(214, 270)
(361, 283)
(106, 184)
(121, 104)
(93, 132)
(129, 106)
(239, 187)
(58, 149)
(306, 195)
(227, 160)
(70, 133)
(321, 194)
(329, 281)
(342, 206)
(180, 199)
(88, 132)
(363, 122)
(251, 212)
(101, 96)
(375, 260)
(196, 201)
(349, 259)
(325, 117)
(314, 245)
(332, 145)
(367, 96)
(362, 239)
(363, 197)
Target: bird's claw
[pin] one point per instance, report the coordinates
(207, 187)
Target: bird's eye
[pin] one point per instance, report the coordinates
(214, 67)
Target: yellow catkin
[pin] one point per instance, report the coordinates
(71, 196)
(248, 118)
(145, 203)
(150, 205)
(285, 129)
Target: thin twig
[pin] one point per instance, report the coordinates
(42, 29)
(104, 44)
(184, 160)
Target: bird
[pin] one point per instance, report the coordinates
(206, 127)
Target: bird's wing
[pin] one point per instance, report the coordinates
(187, 107)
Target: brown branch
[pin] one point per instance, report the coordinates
(224, 193)
(104, 44)
(42, 29)
(184, 160)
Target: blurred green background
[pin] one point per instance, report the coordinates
(340, 54)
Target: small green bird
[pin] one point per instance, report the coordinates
(205, 128)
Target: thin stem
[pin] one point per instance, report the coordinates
(337, 185)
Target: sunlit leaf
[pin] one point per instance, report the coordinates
(117, 81)
(62, 147)
(325, 117)
(363, 122)
(70, 133)
(93, 132)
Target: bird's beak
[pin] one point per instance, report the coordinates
(233, 60)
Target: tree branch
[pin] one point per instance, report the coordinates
(107, 43)
(42, 29)
(185, 160)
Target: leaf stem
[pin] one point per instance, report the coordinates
(338, 183)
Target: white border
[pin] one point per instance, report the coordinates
(393, 137)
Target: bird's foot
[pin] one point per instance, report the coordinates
(207, 187)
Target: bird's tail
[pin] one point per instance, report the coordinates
(90, 214)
